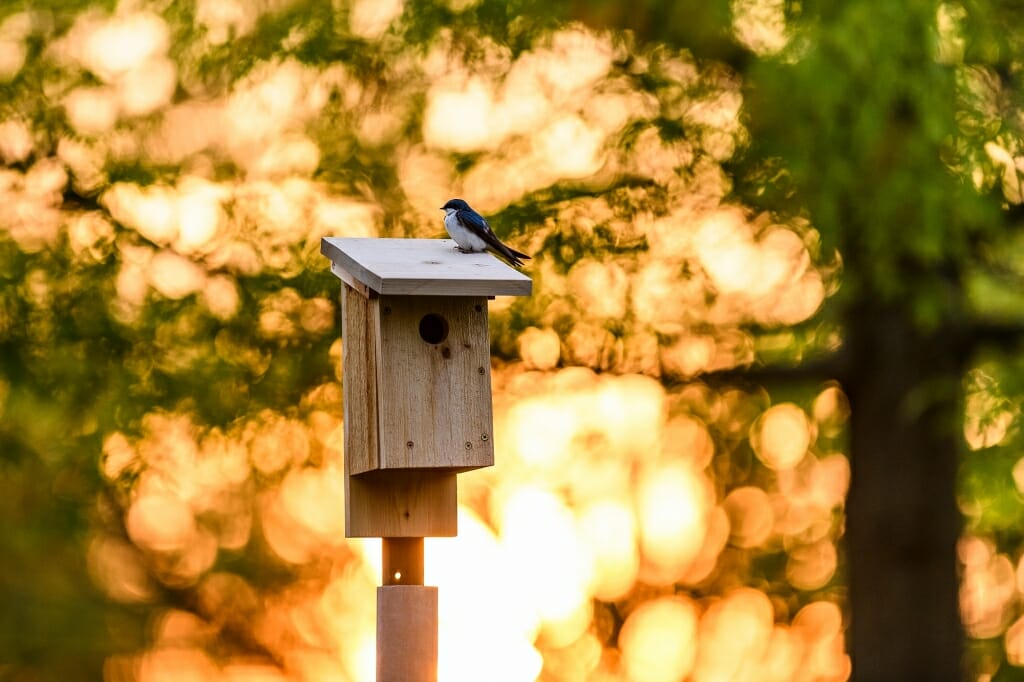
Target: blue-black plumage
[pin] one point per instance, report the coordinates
(473, 234)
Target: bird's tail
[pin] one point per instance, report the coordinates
(514, 257)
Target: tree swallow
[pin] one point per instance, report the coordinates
(472, 233)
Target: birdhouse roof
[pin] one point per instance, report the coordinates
(422, 267)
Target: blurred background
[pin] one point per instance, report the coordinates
(747, 217)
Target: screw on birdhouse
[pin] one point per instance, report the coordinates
(387, 310)
(484, 437)
(469, 446)
(479, 370)
(479, 308)
(409, 444)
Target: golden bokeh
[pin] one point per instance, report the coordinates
(659, 641)
(781, 436)
(569, 524)
(621, 533)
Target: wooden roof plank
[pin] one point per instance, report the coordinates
(423, 267)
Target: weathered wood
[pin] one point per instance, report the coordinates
(423, 267)
(406, 633)
(402, 561)
(359, 353)
(351, 281)
(401, 504)
(434, 398)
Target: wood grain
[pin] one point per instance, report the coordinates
(434, 399)
(402, 561)
(352, 281)
(401, 504)
(423, 267)
(359, 366)
(406, 633)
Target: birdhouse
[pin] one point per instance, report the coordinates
(417, 377)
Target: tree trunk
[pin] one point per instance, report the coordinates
(902, 518)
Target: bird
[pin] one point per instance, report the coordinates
(473, 234)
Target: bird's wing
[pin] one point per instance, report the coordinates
(478, 224)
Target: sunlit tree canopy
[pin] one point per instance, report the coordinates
(714, 195)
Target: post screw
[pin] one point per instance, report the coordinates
(469, 446)
(484, 437)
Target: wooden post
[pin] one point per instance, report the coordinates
(402, 561)
(406, 633)
(406, 615)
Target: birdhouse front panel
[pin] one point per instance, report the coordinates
(434, 383)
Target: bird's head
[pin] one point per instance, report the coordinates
(455, 205)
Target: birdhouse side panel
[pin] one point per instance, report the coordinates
(434, 383)
(359, 368)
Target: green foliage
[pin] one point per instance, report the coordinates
(861, 149)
